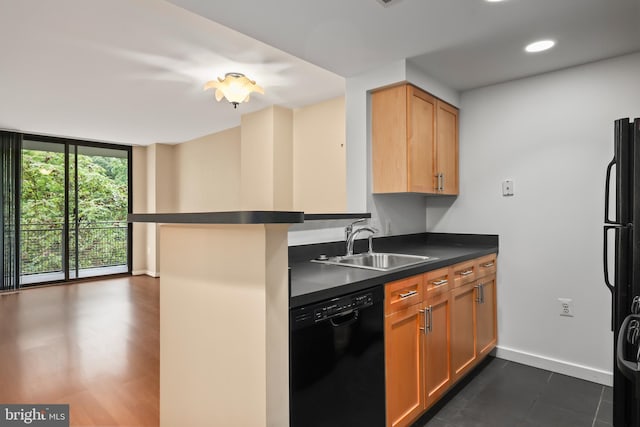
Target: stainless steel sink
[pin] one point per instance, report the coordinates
(377, 260)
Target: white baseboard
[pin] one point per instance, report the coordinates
(554, 365)
(145, 272)
(9, 293)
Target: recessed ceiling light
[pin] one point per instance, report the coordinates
(539, 46)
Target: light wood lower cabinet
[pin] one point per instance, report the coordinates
(438, 326)
(486, 321)
(473, 322)
(463, 315)
(437, 372)
(403, 361)
(403, 352)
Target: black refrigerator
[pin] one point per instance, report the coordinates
(622, 250)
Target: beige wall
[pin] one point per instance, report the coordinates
(208, 172)
(166, 176)
(139, 187)
(153, 191)
(266, 165)
(281, 159)
(319, 161)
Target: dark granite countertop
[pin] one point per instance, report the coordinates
(312, 282)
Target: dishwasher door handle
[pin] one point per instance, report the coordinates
(350, 316)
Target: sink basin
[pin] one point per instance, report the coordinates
(377, 260)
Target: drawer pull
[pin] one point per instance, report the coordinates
(488, 264)
(440, 282)
(465, 273)
(408, 294)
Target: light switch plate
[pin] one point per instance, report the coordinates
(507, 188)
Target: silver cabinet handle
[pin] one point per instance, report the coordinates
(430, 311)
(481, 289)
(478, 294)
(439, 282)
(488, 264)
(465, 273)
(440, 182)
(428, 319)
(424, 321)
(408, 294)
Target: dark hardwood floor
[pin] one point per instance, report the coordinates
(94, 345)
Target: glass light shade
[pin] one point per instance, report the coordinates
(235, 87)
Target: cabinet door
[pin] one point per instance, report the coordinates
(389, 139)
(421, 109)
(486, 325)
(404, 366)
(463, 316)
(447, 147)
(437, 372)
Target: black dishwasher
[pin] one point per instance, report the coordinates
(336, 364)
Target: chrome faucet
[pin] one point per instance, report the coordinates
(351, 237)
(349, 228)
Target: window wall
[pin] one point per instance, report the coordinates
(74, 201)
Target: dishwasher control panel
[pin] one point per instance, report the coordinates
(340, 306)
(328, 309)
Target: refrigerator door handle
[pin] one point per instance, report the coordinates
(607, 192)
(605, 260)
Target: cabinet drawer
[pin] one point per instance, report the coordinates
(402, 294)
(486, 265)
(464, 272)
(437, 281)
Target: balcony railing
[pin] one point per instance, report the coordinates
(99, 244)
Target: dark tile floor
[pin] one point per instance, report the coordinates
(508, 394)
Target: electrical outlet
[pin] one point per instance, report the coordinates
(566, 307)
(507, 188)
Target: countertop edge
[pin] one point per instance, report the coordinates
(230, 217)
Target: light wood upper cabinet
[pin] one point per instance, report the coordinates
(420, 140)
(414, 142)
(446, 151)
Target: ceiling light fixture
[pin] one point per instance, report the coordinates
(539, 46)
(236, 87)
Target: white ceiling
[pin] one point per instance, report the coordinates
(132, 71)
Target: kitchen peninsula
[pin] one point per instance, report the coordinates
(224, 306)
